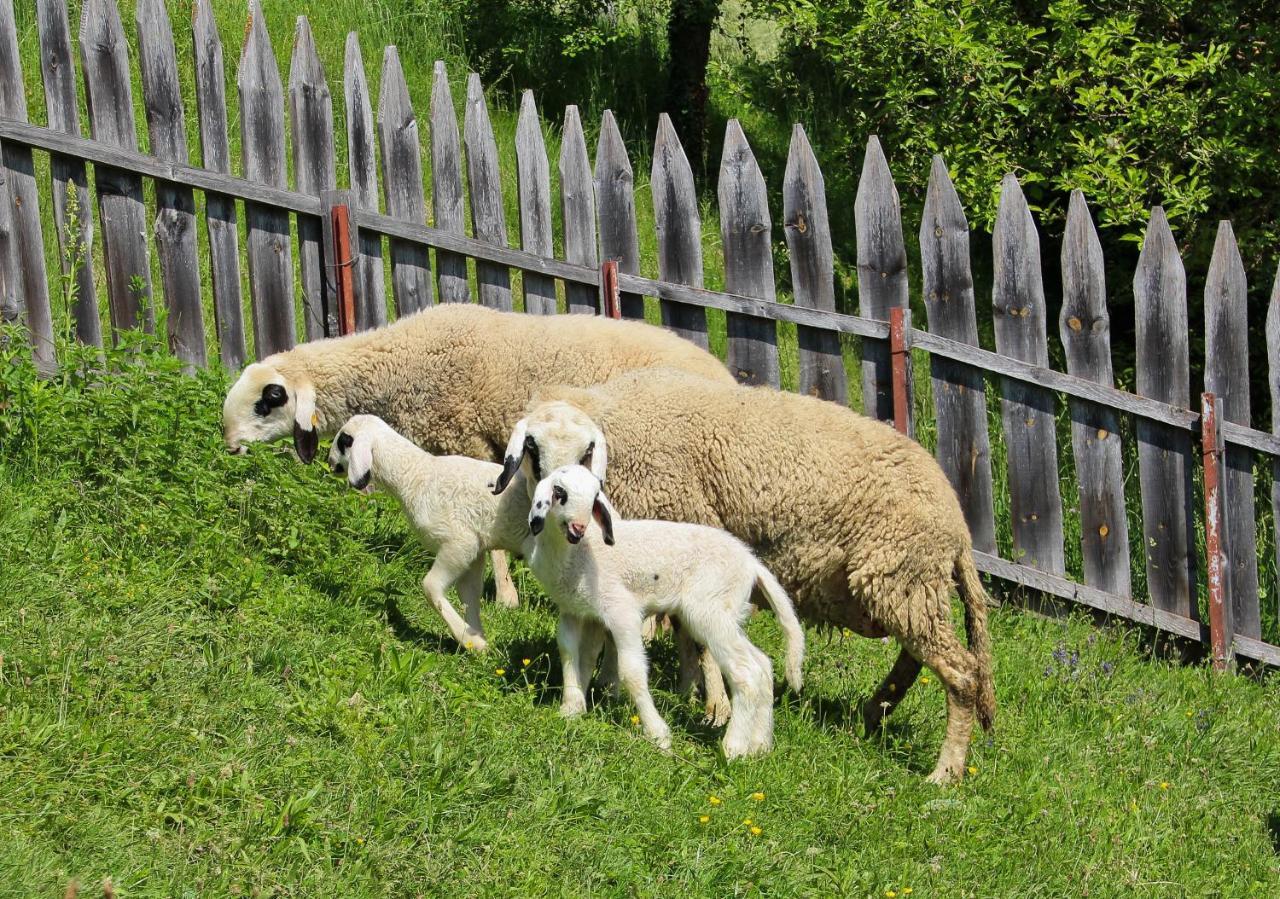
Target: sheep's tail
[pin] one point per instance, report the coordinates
(786, 615)
(974, 598)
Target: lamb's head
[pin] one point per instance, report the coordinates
(569, 498)
(553, 435)
(353, 447)
(264, 405)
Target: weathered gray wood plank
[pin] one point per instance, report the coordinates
(446, 188)
(1165, 454)
(1028, 412)
(616, 200)
(27, 238)
(262, 144)
(882, 272)
(534, 178)
(402, 185)
(121, 213)
(1226, 375)
(72, 215)
(678, 224)
(1273, 379)
(487, 216)
(578, 206)
(362, 164)
(220, 208)
(1085, 326)
(314, 171)
(808, 233)
(959, 391)
(746, 231)
(175, 225)
(10, 303)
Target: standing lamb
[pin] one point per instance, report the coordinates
(857, 521)
(453, 379)
(623, 571)
(450, 502)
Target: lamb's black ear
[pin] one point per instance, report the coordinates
(600, 509)
(305, 442)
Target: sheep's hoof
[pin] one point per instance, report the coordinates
(718, 712)
(944, 776)
(475, 643)
(507, 597)
(662, 740)
(573, 707)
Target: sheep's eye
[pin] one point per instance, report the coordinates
(530, 444)
(273, 397)
(559, 495)
(344, 442)
(585, 461)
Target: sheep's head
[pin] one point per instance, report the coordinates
(551, 436)
(263, 405)
(352, 450)
(570, 497)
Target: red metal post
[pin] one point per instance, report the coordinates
(611, 302)
(898, 351)
(342, 272)
(1220, 625)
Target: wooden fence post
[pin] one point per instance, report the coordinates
(1164, 452)
(314, 170)
(175, 225)
(1216, 534)
(446, 187)
(1028, 411)
(808, 233)
(74, 226)
(679, 231)
(534, 179)
(1273, 378)
(402, 185)
(1085, 327)
(220, 209)
(578, 207)
(262, 145)
(487, 216)
(615, 198)
(747, 234)
(959, 391)
(1226, 376)
(362, 163)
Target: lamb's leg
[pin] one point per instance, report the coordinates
(569, 633)
(470, 587)
(634, 674)
(698, 667)
(891, 690)
(590, 644)
(607, 679)
(749, 672)
(718, 708)
(447, 569)
(504, 586)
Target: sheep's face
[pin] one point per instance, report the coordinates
(352, 452)
(553, 435)
(568, 499)
(263, 406)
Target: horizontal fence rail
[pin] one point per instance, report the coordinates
(338, 258)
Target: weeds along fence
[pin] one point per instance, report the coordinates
(1181, 498)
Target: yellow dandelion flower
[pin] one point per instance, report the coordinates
(756, 831)
(524, 662)
(1190, 713)
(704, 819)
(1164, 784)
(467, 645)
(924, 680)
(635, 719)
(907, 891)
(890, 893)
(500, 671)
(973, 770)
(758, 796)
(714, 800)
(746, 821)
(360, 840)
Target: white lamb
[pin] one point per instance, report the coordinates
(617, 574)
(450, 503)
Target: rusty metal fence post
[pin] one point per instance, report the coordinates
(900, 353)
(610, 299)
(1221, 619)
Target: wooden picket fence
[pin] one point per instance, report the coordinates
(386, 199)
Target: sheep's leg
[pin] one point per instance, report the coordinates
(890, 692)
(590, 644)
(470, 587)
(719, 709)
(607, 679)
(504, 586)
(569, 634)
(447, 569)
(749, 672)
(634, 674)
(958, 670)
(698, 668)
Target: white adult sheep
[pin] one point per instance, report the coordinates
(857, 521)
(615, 576)
(453, 379)
(450, 503)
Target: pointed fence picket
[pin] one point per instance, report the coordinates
(597, 207)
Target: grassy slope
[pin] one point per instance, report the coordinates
(218, 674)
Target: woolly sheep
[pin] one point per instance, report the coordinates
(449, 500)
(618, 574)
(452, 378)
(857, 521)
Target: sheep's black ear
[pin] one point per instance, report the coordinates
(305, 442)
(510, 465)
(600, 510)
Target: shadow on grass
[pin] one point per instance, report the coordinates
(1273, 828)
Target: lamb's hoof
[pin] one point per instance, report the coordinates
(662, 740)
(573, 707)
(507, 597)
(735, 749)
(475, 643)
(718, 713)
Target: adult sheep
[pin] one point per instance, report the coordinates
(858, 522)
(453, 378)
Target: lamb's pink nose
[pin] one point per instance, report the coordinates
(576, 531)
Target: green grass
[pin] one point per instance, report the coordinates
(219, 677)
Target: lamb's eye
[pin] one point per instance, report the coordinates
(559, 495)
(344, 442)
